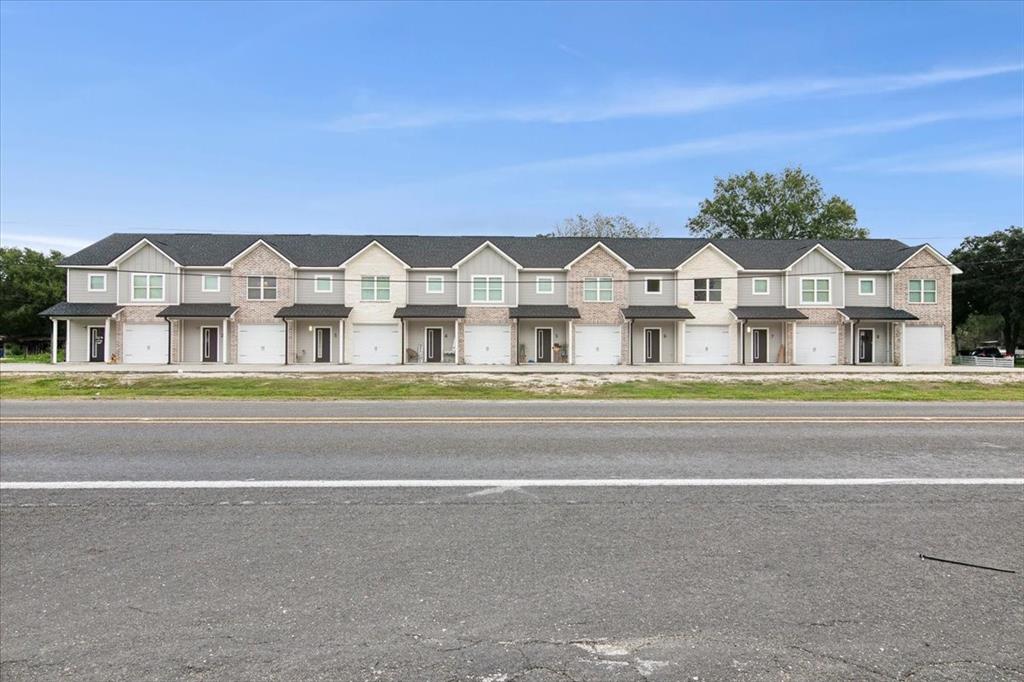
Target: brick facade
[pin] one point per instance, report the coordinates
(828, 316)
(939, 314)
(261, 261)
(487, 315)
(600, 263)
(141, 314)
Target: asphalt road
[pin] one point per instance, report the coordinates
(532, 583)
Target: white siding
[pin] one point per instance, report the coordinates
(374, 261)
(709, 263)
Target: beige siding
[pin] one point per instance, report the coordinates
(528, 288)
(819, 266)
(745, 295)
(638, 295)
(854, 298)
(149, 261)
(78, 286)
(374, 261)
(709, 264)
(418, 288)
(305, 286)
(488, 262)
(193, 284)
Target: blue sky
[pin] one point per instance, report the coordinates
(499, 118)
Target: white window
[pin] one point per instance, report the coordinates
(147, 287)
(545, 285)
(211, 283)
(262, 288)
(866, 286)
(375, 288)
(652, 285)
(435, 284)
(814, 290)
(597, 289)
(760, 286)
(488, 289)
(707, 290)
(323, 284)
(97, 282)
(921, 291)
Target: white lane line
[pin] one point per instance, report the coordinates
(502, 483)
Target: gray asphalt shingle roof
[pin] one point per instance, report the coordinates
(314, 310)
(65, 309)
(767, 312)
(430, 311)
(656, 312)
(875, 313)
(198, 310)
(544, 312)
(326, 250)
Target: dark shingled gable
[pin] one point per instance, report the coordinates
(544, 312)
(767, 312)
(207, 310)
(314, 310)
(656, 312)
(875, 313)
(429, 311)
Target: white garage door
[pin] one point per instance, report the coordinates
(707, 345)
(488, 345)
(145, 343)
(816, 346)
(924, 346)
(597, 345)
(376, 344)
(261, 344)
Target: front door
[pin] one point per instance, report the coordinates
(865, 345)
(434, 336)
(211, 343)
(543, 345)
(323, 344)
(759, 345)
(97, 344)
(652, 345)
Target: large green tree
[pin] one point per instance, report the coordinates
(599, 225)
(787, 205)
(992, 282)
(30, 282)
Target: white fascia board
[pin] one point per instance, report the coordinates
(818, 247)
(382, 247)
(701, 250)
(138, 245)
(928, 247)
(252, 246)
(483, 246)
(607, 250)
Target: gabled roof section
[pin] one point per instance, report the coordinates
(602, 245)
(138, 247)
(709, 245)
(369, 246)
(256, 244)
(485, 245)
(938, 256)
(828, 254)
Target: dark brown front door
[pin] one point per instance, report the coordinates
(866, 352)
(652, 345)
(759, 345)
(323, 344)
(434, 335)
(543, 345)
(211, 341)
(97, 344)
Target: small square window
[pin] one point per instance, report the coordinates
(211, 283)
(867, 287)
(435, 284)
(323, 284)
(761, 286)
(545, 285)
(652, 285)
(97, 282)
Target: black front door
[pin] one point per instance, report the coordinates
(97, 344)
(434, 335)
(323, 344)
(652, 345)
(543, 345)
(210, 344)
(866, 345)
(759, 345)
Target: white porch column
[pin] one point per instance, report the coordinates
(53, 343)
(455, 342)
(903, 344)
(67, 340)
(106, 340)
(222, 348)
(570, 341)
(341, 341)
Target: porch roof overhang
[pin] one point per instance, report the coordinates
(874, 314)
(656, 312)
(430, 312)
(544, 312)
(767, 312)
(198, 310)
(65, 309)
(314, 310)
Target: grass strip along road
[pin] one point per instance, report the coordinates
(472, 388)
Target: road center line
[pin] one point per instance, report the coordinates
(554, 421)
(502, 483)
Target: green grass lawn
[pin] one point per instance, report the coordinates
(35, 357)
(418, 387)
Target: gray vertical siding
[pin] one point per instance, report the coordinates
(528, 288)
(305, 287)
(745, 292)
(78, 286)
(147, 260)
(881, 297)
(819, 266)
(488, 262)
(193, 284)
(637, 289)
(418, 287)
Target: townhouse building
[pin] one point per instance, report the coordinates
(367, 300)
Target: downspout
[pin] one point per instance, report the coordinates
(519, 338)
(743, 342)
(168, 340)
(402, 349)
(285, 320)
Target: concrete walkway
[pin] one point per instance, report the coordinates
(662, 369)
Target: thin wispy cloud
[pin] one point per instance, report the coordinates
(660, 100)
(999, 162)
(42, 243)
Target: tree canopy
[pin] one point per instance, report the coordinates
(992, 282)
(30, 282)
(599, 225)
(788, 205)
